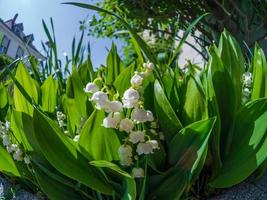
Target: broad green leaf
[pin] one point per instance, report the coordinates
(248, 146)
(129, 189)
(219, 78)
(233, 61)
(259, 88)
(86, 71)
(18, 129)
(29, 85)
(123, 81)
(60, 151)
(110, 165)
(171, 88)
(169, 122)
(193, 101)
(76, 106)
(187, 147)
(114, 65)
(7, 164)
(3, 102)
(97, 141)
(49, 91)
(54, 189)
(170, 185)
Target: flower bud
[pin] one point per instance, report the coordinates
(91, 88)
(76, 138)
(126, 125)
(27, 160)
(136, 80)
(150, 116)
(138, 173)
(137, 136)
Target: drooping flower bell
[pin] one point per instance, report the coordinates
(138, 172)
(137, 136)
(126, 125)
(91, 88)
(130, 98)
(101, 99)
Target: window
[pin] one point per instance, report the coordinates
(20, 52)
(4, 45)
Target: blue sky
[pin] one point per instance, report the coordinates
(66, 20)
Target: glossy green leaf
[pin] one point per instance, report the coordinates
(259, 88)
(248, 146)
(129, 189)
(187, 146)
(60, 151)
(193, 101)
(18, 130)
(169, 122)
(114, 65)
(3, 102)
(29, 85)
(219, 78)
(54, 189)
(123, 81)
(233, 61)
(49, 91)
(171, 185)
(7, 164)
(97, 141)
(110, 165)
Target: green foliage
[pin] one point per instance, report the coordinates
(207, 137)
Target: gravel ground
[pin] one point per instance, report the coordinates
(6, 192)
(246, 191)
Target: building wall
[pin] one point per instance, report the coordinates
(15, 42)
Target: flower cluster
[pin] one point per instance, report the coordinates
(60, 118)
(13, 148)
(247, 85)
(129, 116)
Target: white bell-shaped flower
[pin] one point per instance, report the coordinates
(139, 115)
(7, 125)
(76, 138)
(110, 122)
(144, 148)
(6, 140)
(130, 98)
(138, 172)
(18, 155)
(154, 144)
(91, 88)
(101, 100)
(125, 151)
(136, 80)
(126, 125)
(246, 92)
(117, 116)
(115, 106)
(137, 136)
(27, 160)
(150, 116)
(126, 161)
(247, 79)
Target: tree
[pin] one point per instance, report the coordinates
(246, 20)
